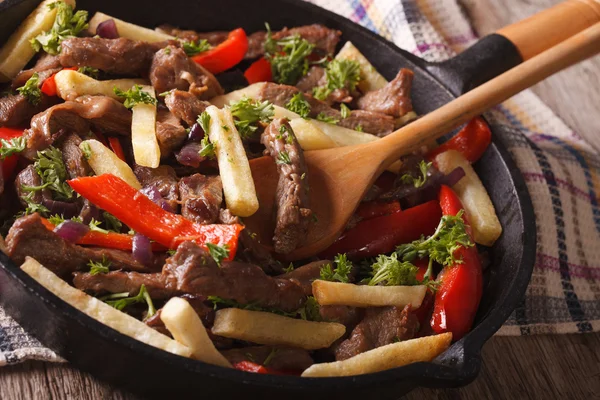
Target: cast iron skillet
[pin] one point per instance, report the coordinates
(128, 363)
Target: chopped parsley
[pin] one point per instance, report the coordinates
(50, 166)
(358, 128)
(204, 121)
(86, 150)
(112, 223)
(12, 146)
(66, 24)
(299, 105)
(135, 96)
(102, 267)
(325, 118)
(288, 57)
(310, 310)
(207, 148)
(272, 353)
(95, 226)
(218, 253)
(33, 207)
(283, 158)
(171, 253)
(122, 300)
(89, 71)
(419, 181)
(345, 111)
(247, 113)
(340, 74)
(193, 48)
(341, 271)
(31, 89)
(289, 268)
(390, 271)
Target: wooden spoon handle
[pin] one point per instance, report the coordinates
(459, 111)
(546, 29)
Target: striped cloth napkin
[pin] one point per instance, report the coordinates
(561, 170)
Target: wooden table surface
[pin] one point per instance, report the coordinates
(536, 367)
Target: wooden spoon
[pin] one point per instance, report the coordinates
(340, 177)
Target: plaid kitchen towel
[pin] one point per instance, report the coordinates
(561, 170)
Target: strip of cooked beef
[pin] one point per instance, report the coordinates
(172, 69)
(116, 56)
(345, 315)
(306, 274)
(28, 177)
(185, 106)
(250, 250)
(162, 178)
(213, 38)
(293, 206)
(370, 122)
(16, 110)
(314, 77)
(256, 45)
(73, 157)
(195, 272)
(45, 66)
(103, 112)
(324, 38)
(29, 237)
(380, 326)
(280, 358)
(169, 132)
(392, 99)
(88, 211)
(120, 282)
(201, 198)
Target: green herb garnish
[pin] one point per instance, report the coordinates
(50, 167)
(135, 96)
(122, 300)
(66, 24)
(283, 158)
(89, 71)
(102, 267)
(31, 89)
(325, 118)
(299, 105)
(340, 74)
(419, 181)
(218, 253)
(288, 57)
(12, 146)
(193, 48)
(341, 271)
(247, 113)
(345, 111)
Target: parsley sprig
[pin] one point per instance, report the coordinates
(288, 57)
(31, 89)
(390, 271)
(326, 118)
(340, 74)
(299, 105)
(89, 71)
(309, 311)
(420, 180)
(99, 267)
(135, 96)
(193, 48)
(12, 146)
(247, 113)
(66, 24)
(218, 253)
(122, 300)
(341, 271)
(51, 168)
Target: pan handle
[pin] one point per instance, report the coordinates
(511, 45)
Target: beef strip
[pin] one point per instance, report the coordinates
(88, 211)
(116, 56)
(201, 198)
(16, 110)
(213, 38)
(185, 106)
(306, 274)
(28, 176)
(345, 315)
(314, 77)
(194, 271)
(256, 45)
(370, 122)
(293, 208)
(380, 326)
(45, 66)
(103, 112)
(324, 38)
(280, 358)
(29, 237)
(392, 99)
(73, 157)
(162, 178)
(119, 282)
(169, 132)
(172, 69)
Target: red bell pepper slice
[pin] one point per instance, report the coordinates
(471, 141)
(9, 163)
(49, 85)
(137, 211)
(259, 71)
(372, 209)
(382, 234)
(226, 54)
(115, 145)
(459, 294)
(250, 366)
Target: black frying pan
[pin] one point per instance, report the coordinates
(125, 362)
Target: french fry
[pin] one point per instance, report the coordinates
(101, 311)
(347, 294)
(251, 91)
(104, 161)
(309, 136)
(477, 203)
(370, 79)
(143, 133)
(267, 328)
(382, 358)
(72, 84)
(234, 168)
(186, 327)
(128, 30)
(17, 51)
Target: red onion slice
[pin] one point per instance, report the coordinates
(453, 177)
(196, 133)
(153, 194)
(142, 249)
(189, 155)
(71, 231)
(107, 29)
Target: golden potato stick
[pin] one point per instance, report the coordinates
(268, 328)
(251, 91)
(186, 327)
(17, 51)
(348, 294)
(370, 79)
(475, 199)
(143, 133)
(72, 84)
(309, 136)
(234, 168)
(101, 311)
(386, 357)
(104, 161)
(128, 30)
